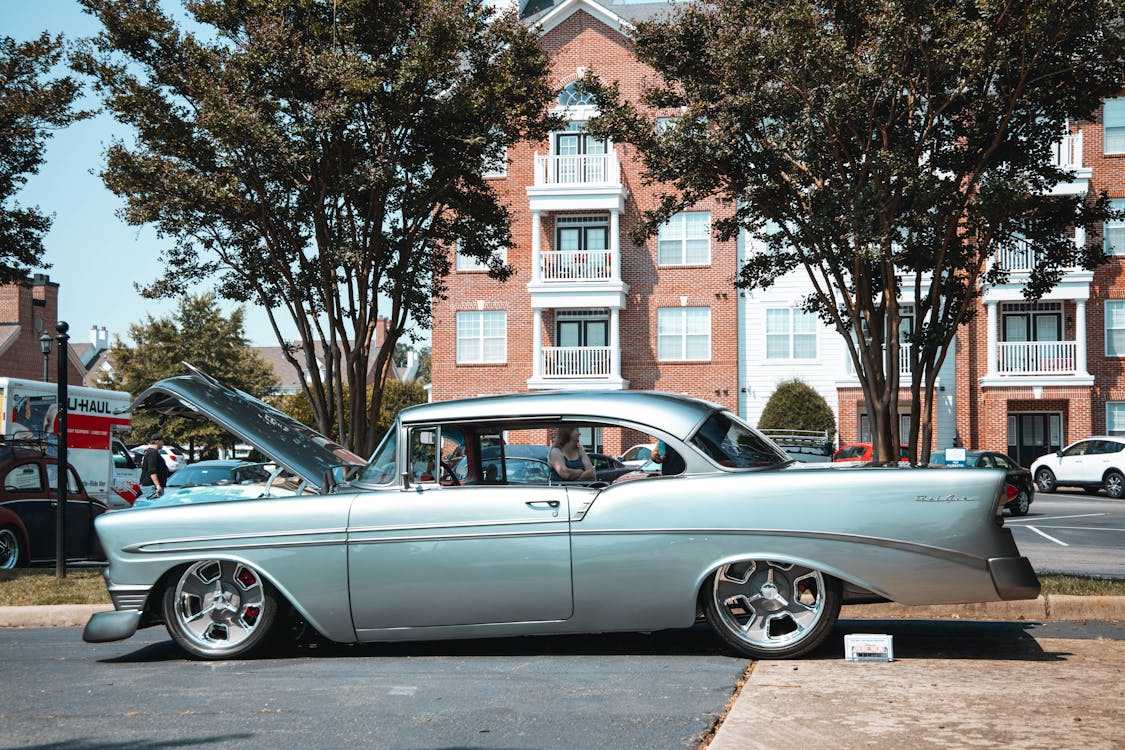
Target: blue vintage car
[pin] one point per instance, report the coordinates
(405, 547)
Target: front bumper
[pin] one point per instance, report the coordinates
(1013, 577)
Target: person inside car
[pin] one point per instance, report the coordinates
(568, 459)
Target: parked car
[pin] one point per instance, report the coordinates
(1093, 464)
(173, 456)
(637, 455)
(28, 499)
(864, 451)
(398, 551)
(216, 480)
(809, 446)
(1017, 476)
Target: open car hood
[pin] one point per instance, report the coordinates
(299, 448)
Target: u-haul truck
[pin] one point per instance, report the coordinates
(29, 411)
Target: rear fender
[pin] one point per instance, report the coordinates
(848, 580)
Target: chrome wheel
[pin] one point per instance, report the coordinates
(219, 609)
(1045, 480)
(1114, 485)
(9, 549)
(769, 609)
(1021, 505)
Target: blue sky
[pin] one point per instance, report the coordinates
(94, 256)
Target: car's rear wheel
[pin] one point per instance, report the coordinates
(219, 609)
(1045, 480)
(10, 549)
(771, 610)
(1021, 505)
(1114, 484)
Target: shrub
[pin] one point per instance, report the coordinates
(794, 405)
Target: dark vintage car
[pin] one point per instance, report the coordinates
(1018, 476)
(28, 502)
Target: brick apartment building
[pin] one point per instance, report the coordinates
(28, 308)
(588, 309)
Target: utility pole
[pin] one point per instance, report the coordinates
(62, 474)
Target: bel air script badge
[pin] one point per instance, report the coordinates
(942, 499)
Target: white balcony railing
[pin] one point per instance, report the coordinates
(1018, 259)
(1037, 357)
(579, 169)
(575, 265)
(1068, 151)
(576, 361)
(903, 361)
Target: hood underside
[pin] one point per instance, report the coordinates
(299, 448)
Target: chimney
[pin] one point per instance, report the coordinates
(39, 289)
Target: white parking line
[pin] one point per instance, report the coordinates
(1083, 528)
(1046, 536)
(1054, 518)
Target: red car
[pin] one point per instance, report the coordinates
(862, 452)
(28, 497)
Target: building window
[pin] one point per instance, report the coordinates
(683, 333)
(572, 97)
(685, 240)
(790, 333)
(1114, 230)
(1113, 124)
(496, 163)
(1114, 328)
(482, 336)
(1115, 418)
(469, 263)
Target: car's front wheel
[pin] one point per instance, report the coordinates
(9, 549)
(1045, 480)
(1114, 484)
(219, 609)
(1021, 505)
(771, 610)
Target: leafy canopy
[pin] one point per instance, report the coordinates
(31, 106)
(319, 159)
(197, 333)
(885, 148)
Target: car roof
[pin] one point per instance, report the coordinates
(677, 415)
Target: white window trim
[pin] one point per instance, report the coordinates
(480, 337)
(1106, 127)
(1105, 326)
(1116, 204)
(790, 334)
(1108, 429)
(683, 240)
(466, 264)
(496, 174)
(683, 336)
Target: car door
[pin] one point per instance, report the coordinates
(80, 513)
(433, 552)
(1076, 461)
(25, 494)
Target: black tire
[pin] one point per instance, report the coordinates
(1021, 505)
(219, 609)
(807, 594)
(1114, 484)
(11, 548)
(1045, 480)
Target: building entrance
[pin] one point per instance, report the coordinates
(1033, 435)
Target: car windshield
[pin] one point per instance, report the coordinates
(382, 466)
(731, 443)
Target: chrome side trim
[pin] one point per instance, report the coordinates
(939, 552)
(233, 539)
(458, 524)
(128, 597)
(187, 546)
(456, 537)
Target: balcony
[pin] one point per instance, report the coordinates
(1067, 154)
(574, 265)
(577, 367)
(904, 368)
(1037, 358)
(577, 182)
(1019, 261)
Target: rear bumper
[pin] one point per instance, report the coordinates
(1013, 577)
(111, 626)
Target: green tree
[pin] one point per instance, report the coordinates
(794, 405)
(31, 105)
(886, 148)
(199, 334)
(397, 396)
(321, 159)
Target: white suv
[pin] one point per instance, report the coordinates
(1093, 463)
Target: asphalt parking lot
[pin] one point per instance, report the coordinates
(1072, 532)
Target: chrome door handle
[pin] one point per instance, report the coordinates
(542, 503)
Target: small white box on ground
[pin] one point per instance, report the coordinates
(868, 647)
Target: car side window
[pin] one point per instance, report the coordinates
(1001, 462)
(23, 478)
(1078, 449)
(423, 455)
(1111, 446)
(53, 479)
(985, 462)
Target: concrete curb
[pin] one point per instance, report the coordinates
(1045, 608)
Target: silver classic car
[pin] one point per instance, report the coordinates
(405, 547)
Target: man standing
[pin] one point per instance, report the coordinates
(154, 471)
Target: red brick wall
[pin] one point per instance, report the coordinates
(23, 358)
(582, 41)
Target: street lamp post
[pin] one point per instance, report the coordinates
(63, 475)
(45, 347)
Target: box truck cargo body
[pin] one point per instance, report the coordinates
(29, 411)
